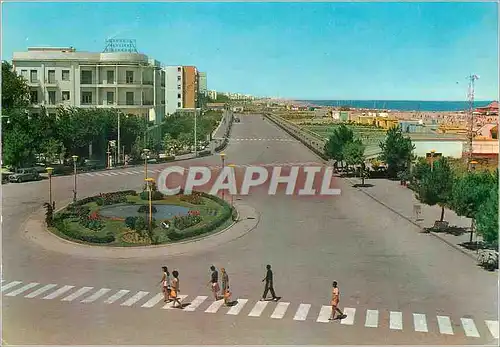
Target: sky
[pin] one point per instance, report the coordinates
(315, 51)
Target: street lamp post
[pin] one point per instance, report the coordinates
(149, 182)
(195, 135)
(74, 174)
(49, 171)
(433, 151)
(222, 156)
(146, 153)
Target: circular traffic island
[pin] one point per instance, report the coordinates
(128, 218)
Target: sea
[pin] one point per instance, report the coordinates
(399, 105)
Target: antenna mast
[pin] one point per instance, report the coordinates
(470, 99)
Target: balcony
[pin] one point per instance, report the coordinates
(147, 83)
(147, 102)
(50, 83)
(34, 82)
(86, 81)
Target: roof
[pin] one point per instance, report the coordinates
(493, 105)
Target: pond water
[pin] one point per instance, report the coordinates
(130, 210)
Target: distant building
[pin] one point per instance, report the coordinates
(202, 77)
(190, 87)
(212, 94)
(181, 88)
(58, 76)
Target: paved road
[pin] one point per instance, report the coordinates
(398, 286)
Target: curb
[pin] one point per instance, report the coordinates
(58, 244)
(436, 235)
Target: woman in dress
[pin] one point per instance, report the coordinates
(165, 282)
(175, 289)
(335, 301)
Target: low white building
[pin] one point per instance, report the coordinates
(126, 81)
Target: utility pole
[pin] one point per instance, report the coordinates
(195, 141)
(119, 147)
(470, 99)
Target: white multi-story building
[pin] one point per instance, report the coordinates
(126, 81)
(212, 94)
(202, 76)
(174, 89)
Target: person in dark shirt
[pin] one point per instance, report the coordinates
(269, 284)
(214, 282)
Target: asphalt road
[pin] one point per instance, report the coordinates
(397, 285)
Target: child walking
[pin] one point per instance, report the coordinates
(335, 301)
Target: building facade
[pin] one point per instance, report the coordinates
(174, 89)
(126, 81)
(190, 87)
(202, 77)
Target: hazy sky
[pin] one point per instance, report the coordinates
(405, 51)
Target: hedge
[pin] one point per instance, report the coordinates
(61, 226)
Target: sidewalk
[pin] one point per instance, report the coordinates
(401, 200)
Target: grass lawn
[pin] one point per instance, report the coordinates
(125, 237)
(370, 136)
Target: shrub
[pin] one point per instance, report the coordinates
(111, 198)
(140, 224)
(73, 234)
(185, 222)
(155, 195)
(92, 221)
(130, 222)
(194, 198)
(194, 213)
(145, 209)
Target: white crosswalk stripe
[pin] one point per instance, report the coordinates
(258, 308)
(302, 312)
(22, 289)
(39, 291)
(349, 312)
(444, 324)
(420, 323)
(77, 294)
(170, 305)
(58, 292)
(324, 314)
(154, 300)
(215, 306)
(492, 327)
(96, 295)
(280, 310)
(371, 319)
(117, 296)
(469, 327)
(396, 320)
(196, 303)
(10, 285)
(238, 307)
(135, 298)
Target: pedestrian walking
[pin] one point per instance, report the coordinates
(335, 301)
(175, 289)
(165, 282)
(225, 286)
(214, 282)
(269, 284)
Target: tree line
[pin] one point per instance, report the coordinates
(471, 194)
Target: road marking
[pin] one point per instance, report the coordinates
(40, 291)
(396, 321)
(22, 289)
(302, 312)
(78, 293)
(196, 303)
(444, 324)
(116, 296)
(469, 327)
(215, 306)
(135, 298)
(493, 327)
(154, 300)
(170, 305)
(371, 319)
(122, 173)
(324, 314)
(280, 310)
(349, 312)
(238, 307)
(58, 292)
(89, 174)
(10, 285)
(113, 173)
(96, 295)
(420, 323)
(258, 308)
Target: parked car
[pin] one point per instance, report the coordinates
(23, 175)
(5, 176)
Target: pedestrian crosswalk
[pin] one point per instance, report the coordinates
(277, 139)
(281, 310)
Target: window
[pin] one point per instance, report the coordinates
(65, 75)
(129, 76)
(110, 97)
(179, 69)
(52, 76)
(179, 78)
(178, 104)
(179, 96)
(34, 76)
(24, 74)
(34, 97)
(130, 98)
(86, 77)
(86, 98)
(110, 76)
(179, 87)
(65, 95)
(52, 97)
